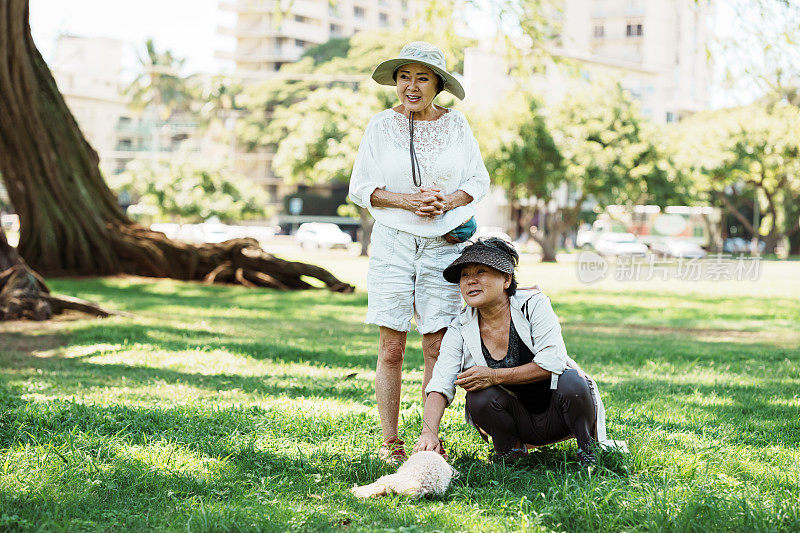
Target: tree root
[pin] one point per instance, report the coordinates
(24, 294)
(237, 261)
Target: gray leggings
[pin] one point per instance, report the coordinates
(572, 412)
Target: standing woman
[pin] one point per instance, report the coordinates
(420, 173)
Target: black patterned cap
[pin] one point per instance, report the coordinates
(498, 255)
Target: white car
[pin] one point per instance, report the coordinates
(316, 235)
(677, 248)
(619, 244)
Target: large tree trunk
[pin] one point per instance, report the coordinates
(366, 230)
(547, 238)
(714, 234)
(70, 221)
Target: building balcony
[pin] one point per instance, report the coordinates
(310, 8)
(304, 31)
(307, 8)
(256, 56)
(247, 6)
(259, 31)
(290, 29)
(600, 12)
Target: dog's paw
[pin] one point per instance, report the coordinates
(368, 491)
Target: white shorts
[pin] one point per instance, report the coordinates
(405, 280)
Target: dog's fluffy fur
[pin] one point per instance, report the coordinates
(423, 474)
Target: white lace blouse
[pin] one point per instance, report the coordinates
(448, 157)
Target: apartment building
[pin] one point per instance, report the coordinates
(270, 33)
(87, 71)
(655, 48)
(267, 37)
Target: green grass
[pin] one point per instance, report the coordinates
(228, 409)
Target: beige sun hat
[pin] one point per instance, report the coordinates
(425, 54)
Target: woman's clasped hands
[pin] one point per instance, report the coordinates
(428, 202)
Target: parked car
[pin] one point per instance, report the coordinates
(737, 245)
(677, 248)
(585, 238)
(316, 235)
(619, 244)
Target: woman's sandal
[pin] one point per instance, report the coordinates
(393, 451)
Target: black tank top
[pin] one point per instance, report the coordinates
(534, 396)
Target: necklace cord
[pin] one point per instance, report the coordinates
(416, 172)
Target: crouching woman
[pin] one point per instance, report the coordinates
(506, 350)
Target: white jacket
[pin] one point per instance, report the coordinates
(538, 327)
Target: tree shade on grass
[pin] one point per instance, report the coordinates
(70, 221)
(219, 408)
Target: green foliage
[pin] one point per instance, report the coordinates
(753, 148)
(759, 47)
(189, 193)
(337, 47)
(215, 99)
(608, 148)
(594, 141)
(318, 137)
(527, 162)
(229, 409)
(268, 104)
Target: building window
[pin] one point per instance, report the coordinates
(358, 12)
(335, 29)
(299, 43)
(634, 30)
(404, 5)
(599, 31)
(383, 19)
(300, 18)
(671, 117)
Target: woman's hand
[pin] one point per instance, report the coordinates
(427, 203)
(477, 378)
(427, 441)
(449, 238)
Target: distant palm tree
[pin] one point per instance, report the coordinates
(218, 99)
(159, 85)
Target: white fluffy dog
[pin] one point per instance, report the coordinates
(423, 474)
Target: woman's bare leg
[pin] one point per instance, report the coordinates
(431, 342)
(391, 348)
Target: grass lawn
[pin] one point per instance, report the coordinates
(227, 409)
